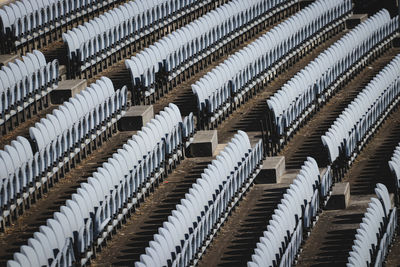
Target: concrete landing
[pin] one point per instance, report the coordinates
(289, 175)
(135, 118)
(340, 197)
(272, 170)
(304, 3)
(355, 19)
(67, 89)
(204, 144)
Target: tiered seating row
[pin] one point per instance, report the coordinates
(30, 24)
(78, 121)
(295, 214)
(358, 122)
(199, 215)
(313, 85)
(109, 196)
(175, 57)
(225, 85)
(25, 87)
(123, 30)
(376, 232)
(394, 165)
(56, 144)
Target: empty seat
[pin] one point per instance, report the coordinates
(17, 172)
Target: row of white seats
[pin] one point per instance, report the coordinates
(363, 113)
(376, 232)
(16, 167)
(23, 82)
(109, 194)
(100, 37)
(76, 121)
(290, 102)
(394, 165)
(57, 139)
(299, 207)
(196, 216)
(25, 19)
(184, 47)
(229, 78)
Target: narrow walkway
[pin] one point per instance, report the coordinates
(332, 237)
(235, 243)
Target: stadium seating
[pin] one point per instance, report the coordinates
(223, 88)
(30, 24)
(66, 136)
(25, 87)
(299, 207)
(108, 196)
(200, 213)
(177, 56)
(358, 122)
(313, 85)
(376, 231)
(118, 33)
(165, 43)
